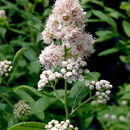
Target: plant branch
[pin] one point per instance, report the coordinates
(6, 100)
(57, 95)
(73, 111)
(66, 101)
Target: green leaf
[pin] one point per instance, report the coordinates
(47, 12)
(30, 54)
(12, 121)
(45, 3)
(78, 92)
(92, 76)
(28, 126)
(126, 27)
(17, 55)
(24, 95)
(115, 14)
(127, 88)
(108, 51)
(40, 115)
(3, 31)
(125, 59)
(34, 67)
(100, 15)
(42, 104)
(126, 96)
(104, 35)
(30, 89)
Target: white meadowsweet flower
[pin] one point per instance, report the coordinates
(46, 77)
(52, 77)
(63, 125)
(51, 56)
(72, 70)
(67, 23)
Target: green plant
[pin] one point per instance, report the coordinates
(111, 16)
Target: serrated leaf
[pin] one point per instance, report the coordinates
(30, 89)
(126, 27)
(28, 126)
(78, 92)
(17, 55)
(108, 51)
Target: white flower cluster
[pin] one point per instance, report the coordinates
(51, 56)
(109, 117)
(63, 125)
(102, 89)
(5, 67)
(72, 69)
(2, 14)
(21, 109)
(47, 76)
(65, 24)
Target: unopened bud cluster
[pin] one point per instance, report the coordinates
(2, 14)
(21, 109)
(47, 76)
(5, 67)
(63, 125)
(102, 88)
(72, 69)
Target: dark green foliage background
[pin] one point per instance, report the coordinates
(108, 21)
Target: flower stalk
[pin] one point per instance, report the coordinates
(66, 101)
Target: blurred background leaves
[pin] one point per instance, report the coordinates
(108, 21)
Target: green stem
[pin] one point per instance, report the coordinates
(66, 101)
(73, 111)
(6, 100)
(57, 95)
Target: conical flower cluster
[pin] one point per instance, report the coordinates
(66, 25)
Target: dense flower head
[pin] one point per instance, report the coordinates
(2, 14)
(63, 125)
(51, 56)
(67, 23)
(5, 67)
(21, 109)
